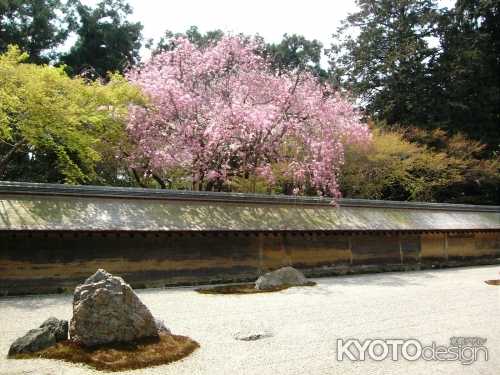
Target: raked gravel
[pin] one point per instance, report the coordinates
(305, 323)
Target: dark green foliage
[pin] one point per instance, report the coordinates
(386, 64)
(469, 70)
(31, 167)
(107, 41)
(167, 42)
(295, 52)
(413, 64)
(36, 26)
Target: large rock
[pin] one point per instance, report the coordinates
(51, 331)
(106, 310)
(286, 276)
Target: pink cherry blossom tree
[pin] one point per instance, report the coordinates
(220, 113)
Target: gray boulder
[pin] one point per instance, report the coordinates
(51, 331)
(286, 276)
(35, 340)
(106, 310)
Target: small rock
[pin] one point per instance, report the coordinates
(58, 327)
(106, 310)
(161, 327)
(33, 341)
(286, 276)
(252, 336)
(50, 331)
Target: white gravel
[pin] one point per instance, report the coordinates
(305, 323)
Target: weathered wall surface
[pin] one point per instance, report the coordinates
(40, 262)
(97, 213)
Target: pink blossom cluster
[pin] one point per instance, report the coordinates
(220, 112)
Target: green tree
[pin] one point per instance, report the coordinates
(38, 27)
(295, 52)
(420, 165)
(193, 34)
(57, 129)
(394, 169)
(107, 41)
(382, 56)
(479, 181)
(469, 70)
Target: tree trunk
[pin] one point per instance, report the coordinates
(159, 180)
(138, 178)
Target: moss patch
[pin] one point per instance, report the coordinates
(243, 289)
(124, 356)
(492, 282)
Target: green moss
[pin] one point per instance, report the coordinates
(243, 289)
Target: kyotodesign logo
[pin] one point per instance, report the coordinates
(465, 350)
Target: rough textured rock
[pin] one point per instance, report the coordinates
(106, 309)
(286, 276)
(58, 327)
(51, 331)
(35, 340)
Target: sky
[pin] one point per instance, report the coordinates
(314, 19)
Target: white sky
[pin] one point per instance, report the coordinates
(315, 19)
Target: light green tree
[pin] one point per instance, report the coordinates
(64, 126)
